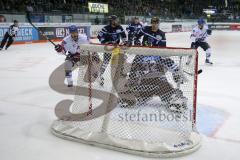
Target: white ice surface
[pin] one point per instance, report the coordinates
(27, 103)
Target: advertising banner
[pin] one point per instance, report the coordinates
(98, 7)
(25, 34)
(61, 32)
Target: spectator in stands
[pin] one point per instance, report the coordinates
(2, 19)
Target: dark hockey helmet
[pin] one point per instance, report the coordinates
(15, 22)
(112, 17)
(155, 20)
(135, 18)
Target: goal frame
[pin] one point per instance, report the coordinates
(100, 48)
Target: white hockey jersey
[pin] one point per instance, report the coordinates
(72, 47)
(199, 34)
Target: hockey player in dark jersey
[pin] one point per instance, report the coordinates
(10, 35)
(110, 34)
(152, 35)
(133, 28)
(147, 76)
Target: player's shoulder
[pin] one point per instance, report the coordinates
(83, 37)
(195, 28)
(140, 24)
(106, 28)
(147, 28)
(66, 39)
(120, 27)
(161, 32)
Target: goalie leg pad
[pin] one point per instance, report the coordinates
(175, 101)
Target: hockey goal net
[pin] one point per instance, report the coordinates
(139, 100)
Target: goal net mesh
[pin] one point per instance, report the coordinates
(138, 100)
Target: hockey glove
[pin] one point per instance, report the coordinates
(194, 45)
(58, 48)
(209, 32)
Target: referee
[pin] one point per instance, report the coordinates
(9, 35)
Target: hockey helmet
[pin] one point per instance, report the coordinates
(73, 29)
(201, 21)
(112, 17)
(155, 20)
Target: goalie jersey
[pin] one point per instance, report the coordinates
(112, 35)
(200, 35)
(151, 38)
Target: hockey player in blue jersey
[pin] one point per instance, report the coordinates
(110, 34)
(133, 28)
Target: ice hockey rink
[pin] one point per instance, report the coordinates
(27, 103)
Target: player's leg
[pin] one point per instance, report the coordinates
(4, 40)
(9, 43)
(194, 45)
(106, 60)
(68, 71)
(206, 47)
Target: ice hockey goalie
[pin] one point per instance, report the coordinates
(147, 79)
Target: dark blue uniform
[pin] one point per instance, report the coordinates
(151, 38)
(112, 35)
(132, 30)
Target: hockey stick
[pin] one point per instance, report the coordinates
(192, 74)
(29, 20)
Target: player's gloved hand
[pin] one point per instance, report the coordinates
(76, 55)
(58, 48)
(194, 45)
(179, 77)
(209, 32)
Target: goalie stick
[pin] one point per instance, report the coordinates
(29, 20)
